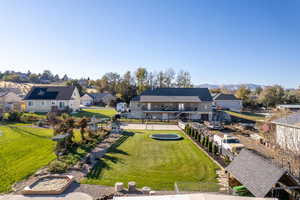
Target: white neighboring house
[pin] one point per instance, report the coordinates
(121, 107)
(10, 101)
(228, 101)
(289, 107)
(288, 132)
(47, 98)
(86, 100)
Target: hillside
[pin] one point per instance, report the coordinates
(19, 88)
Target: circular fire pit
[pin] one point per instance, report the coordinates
(49, 185)
(170, 136)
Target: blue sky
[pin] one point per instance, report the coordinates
(218, 41)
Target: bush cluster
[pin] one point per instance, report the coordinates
(202, 138)
(57, 166)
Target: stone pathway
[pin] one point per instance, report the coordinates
(223, 181)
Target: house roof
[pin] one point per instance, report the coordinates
(2, 94)
(227, 97)
(136, 98)
(99, 95)
(87, 95)
(255, 172)
(202, 93)
(190, 99)
(289, 106)
(50, 93)
(289, 120)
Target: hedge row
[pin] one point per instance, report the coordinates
(203, 139)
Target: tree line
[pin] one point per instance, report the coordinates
(134, 83)
(268, 97)
(29, 77)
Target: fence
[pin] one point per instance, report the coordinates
(183, 187)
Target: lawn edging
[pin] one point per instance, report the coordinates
(196, 144)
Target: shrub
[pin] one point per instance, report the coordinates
(28, 118)
(189, 131)
(210, 145)
(215, 149)
(57, 166)
(206, 141)
(14, 116)
(70, 159)
(199, 137)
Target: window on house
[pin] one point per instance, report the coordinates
(149, 106)
(30, 103)
(181, 106)
(42, 103)
(61, 104)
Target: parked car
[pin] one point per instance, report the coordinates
(228, 142)
(215, 125)
(121, 107)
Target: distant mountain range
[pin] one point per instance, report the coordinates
(230, 86)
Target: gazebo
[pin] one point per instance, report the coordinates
(261, 177)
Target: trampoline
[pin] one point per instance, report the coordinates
(169, 136)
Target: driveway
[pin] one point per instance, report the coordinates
(150, 126)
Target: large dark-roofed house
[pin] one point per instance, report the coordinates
(172, 103)
(261, 177)
(46, 98)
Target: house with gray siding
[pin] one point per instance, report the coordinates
(288, 131)
(228, 101)
(172, 103)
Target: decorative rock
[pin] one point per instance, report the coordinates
(146, 190)
(152, 192)
(119, 187)
(131, 186)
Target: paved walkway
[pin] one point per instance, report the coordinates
(150, 126)
(70, 196)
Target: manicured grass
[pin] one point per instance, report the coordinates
(98, 113)
(23, 150)
(158, 164)
(247, 115)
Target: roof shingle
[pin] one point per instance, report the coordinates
(202, 93)
(255, 172)
(50, 93)
(227, 97)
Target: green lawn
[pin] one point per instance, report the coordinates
(247, 115)
(23, 150)
(158, 164)
(99, 113)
